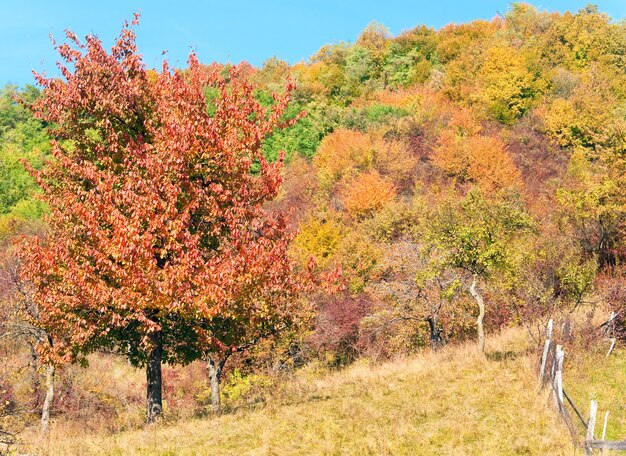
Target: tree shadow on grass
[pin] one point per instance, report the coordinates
(508, 355)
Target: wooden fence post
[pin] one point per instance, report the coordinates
(606, 421)
(544, 360)
(610, 332)
(553, 374)
(591, 424)
(558, 379)
(545, 354)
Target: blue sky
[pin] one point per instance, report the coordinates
(227, 30)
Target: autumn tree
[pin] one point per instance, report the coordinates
(367, 193)
(476, 238)
(465, 154)
(342, 153)
(509, 87)
(411, 293)
(158, 244)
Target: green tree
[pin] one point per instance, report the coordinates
(22, 137)
(476, 237)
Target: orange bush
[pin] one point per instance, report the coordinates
(344, 153)
(491, 166)
(396, 162)
(367, 193)
(341, 153)
(465, 154)
(480, 159)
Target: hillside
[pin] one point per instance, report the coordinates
(452, 403)
(264, 259)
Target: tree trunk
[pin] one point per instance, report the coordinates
(47, 403)
(481, 312)
(154, 385)
(215, 373)
(435, 332)
(35, 383)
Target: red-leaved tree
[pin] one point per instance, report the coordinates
(158, 244)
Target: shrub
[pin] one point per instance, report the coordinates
(366, 194)
(337, 328)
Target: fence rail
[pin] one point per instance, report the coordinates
(551, 373)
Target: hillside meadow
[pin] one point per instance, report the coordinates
(354, 253)
(456, 402)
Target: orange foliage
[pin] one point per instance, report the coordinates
(462, 123)
(470, 156)
(396, 162)
(145, 184)
(341, 153)
(367, 193)
(345, 152)
(491, 166)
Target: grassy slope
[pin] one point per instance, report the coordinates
(453, 403)
(593, 376)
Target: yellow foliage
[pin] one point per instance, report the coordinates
(402, 98)
(319, 77)
(359, 257)
(374, 38)
(451, 155)
(508, 87)
(588, 117)
(455, 39)
(318, 238)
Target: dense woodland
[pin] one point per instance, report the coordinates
(388, 196)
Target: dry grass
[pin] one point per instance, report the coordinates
(594, 376)
(452, 403)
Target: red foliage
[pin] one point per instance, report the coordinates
(156, 216)
(337, 325)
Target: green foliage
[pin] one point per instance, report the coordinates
(319, 120)
(403, 68)
(240, 389)
(359, 66)
(378, 113)
(211, 94)
(22, 138)
(477, 235)
(479, 105)
(576, 278)
(302, 138)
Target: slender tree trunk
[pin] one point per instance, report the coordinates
(434, 332)
(154, 385)
(481, 312)
(214, 367)
(35, 383)
(47, 403)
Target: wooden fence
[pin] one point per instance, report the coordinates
(551, 373)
